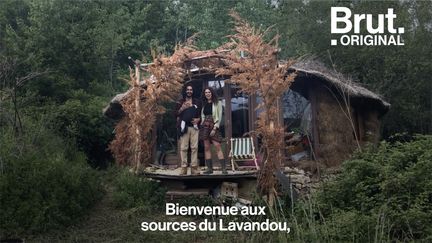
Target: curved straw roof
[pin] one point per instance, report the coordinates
(345, 84)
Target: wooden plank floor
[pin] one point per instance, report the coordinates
(175, 174)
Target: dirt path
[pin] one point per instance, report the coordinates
(104, 223)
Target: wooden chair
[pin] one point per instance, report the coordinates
(242, 149)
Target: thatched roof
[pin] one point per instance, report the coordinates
(343, 83)
(208, 60)
(114, 109)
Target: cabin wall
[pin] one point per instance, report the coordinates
(335, 132)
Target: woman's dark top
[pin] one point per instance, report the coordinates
(208, 109)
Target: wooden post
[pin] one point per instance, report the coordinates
(253, 117)
(228, 118)
(138, 154)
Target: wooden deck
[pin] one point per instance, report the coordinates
(159, 173)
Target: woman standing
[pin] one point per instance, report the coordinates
(211, 116)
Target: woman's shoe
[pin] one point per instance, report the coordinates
(209, 165)
(223, 164)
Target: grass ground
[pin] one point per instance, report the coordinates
(105, 223)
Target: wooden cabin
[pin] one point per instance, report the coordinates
(331, 113)
(327, 115)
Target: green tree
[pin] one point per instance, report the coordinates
(398, 73)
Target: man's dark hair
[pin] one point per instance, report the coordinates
(184, 90)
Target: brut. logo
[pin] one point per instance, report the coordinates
(381, 29)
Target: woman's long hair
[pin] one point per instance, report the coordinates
(214, 96)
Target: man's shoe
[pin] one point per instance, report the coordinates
(195, 170)
(183, 171)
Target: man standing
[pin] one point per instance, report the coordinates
(188, 135)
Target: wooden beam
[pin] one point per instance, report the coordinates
(198, 177)
(138, 141)
(253, 117)
(228, 118)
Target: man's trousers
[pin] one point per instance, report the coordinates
(190, 136)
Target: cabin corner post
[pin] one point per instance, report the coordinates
(138, 153)
(253, 116)
(228, 117)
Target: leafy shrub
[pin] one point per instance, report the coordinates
(131, 191)
(381, 194)
(45, 183)
(80, 119)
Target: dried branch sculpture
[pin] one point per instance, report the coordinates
(252, 65)
(134, 140)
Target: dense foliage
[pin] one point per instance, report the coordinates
(399, 73)
(131, 191)
(43, 185)
(382, 194)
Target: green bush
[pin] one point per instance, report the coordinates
(80, 119)
(381, 194)
(131, 191)
(45, 183)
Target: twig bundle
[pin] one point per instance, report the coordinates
(253, 66)
(134, 140)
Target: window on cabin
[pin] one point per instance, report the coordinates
(297, 119)
(239, 113)
(296, 112)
